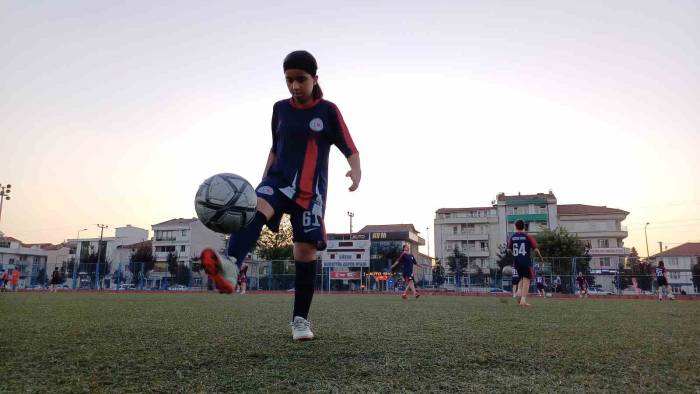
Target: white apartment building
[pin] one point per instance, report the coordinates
(29, 260)
(184, 238)
(480, 232)
(122, 236)
(679, 262)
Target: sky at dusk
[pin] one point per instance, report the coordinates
(115, 112)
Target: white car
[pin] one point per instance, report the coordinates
(598, 291)
(178, 288)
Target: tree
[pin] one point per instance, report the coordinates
(625, 271)
(560, 247)
(696, 276)
(276, 246)
(438, 273)
(182, 276)
(457, 262)
(638, 270)
(503, 257)
(141, 262)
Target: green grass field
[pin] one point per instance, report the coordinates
(181, 342)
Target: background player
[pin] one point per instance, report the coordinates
(295, 182)
(514, 280)
(539, 283)
(407, 262)
(662, 282)
(582, 285)
(520, 245)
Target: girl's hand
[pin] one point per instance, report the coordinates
(355, 176)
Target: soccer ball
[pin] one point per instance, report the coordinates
(225, 203)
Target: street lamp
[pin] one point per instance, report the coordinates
(351, 215)
(646, 239)
(77, 245)
(4, 195)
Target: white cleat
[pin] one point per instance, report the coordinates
(301, 329)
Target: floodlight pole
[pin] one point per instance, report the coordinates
(4, 195)
(99, 255)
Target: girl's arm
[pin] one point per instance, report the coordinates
(270, 160)
(355, 173)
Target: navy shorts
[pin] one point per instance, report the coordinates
(661, 281)
(515, 280)
(525, 270)
(408, 278)
(540, 286)
(307, 224)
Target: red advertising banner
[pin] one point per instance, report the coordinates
(345, 275)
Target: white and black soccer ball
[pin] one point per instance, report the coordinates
(225, 203)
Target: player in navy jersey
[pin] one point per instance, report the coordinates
(539, 282)
(514, 280)
(407, 262)
(521, 244)
(582, 285)
(662, 282)
(295, 181)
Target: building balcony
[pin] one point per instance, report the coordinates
(467, 236)
(529, 217)
(466, 219)
(608, 252)
(472, 252)
(619, 234)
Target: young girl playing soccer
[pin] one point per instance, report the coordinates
(295, 182)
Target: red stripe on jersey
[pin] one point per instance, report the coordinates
(308, 173)
(346, 133)
(308, 105)
(533, 242)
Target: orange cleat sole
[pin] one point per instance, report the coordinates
(212, 267)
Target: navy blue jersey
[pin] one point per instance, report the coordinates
(301, 140)
(407, 261)
(539, 279)
(660, 271)
(521, 244)
(515, 273)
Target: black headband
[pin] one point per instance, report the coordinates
(301, 60)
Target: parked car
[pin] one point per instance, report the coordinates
(498, 290)
(598, 291)
(178, 288)
(127, 286)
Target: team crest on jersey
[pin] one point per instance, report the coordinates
(316, 124)
(266, 190)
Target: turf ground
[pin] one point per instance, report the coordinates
(134, 342)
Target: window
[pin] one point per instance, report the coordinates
(454, 230)
(605, 261)
(674, 275)
(603, 243)
(4, 244)
(182, 248)
(184, 233)
(676, 289)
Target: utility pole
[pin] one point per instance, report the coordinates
(646, 239)
(351, 215)
(427, 236)
(661, 248)
(76, 259)
(99, 255)
(4, 195)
